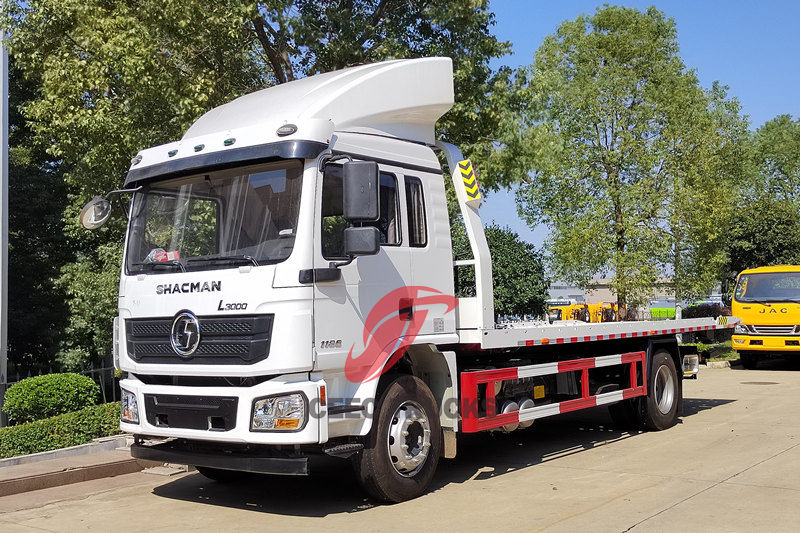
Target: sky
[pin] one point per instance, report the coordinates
(753, 47)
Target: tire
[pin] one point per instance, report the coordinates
(749, 360)
(221, 476)
(387, 472)
(663, 393)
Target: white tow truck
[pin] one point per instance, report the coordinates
(287, 292)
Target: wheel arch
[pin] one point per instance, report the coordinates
(437, 370)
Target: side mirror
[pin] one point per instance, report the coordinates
(361, 241)
(95, 213)
(360, 202)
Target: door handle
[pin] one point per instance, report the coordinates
(406, 308)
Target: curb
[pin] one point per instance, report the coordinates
(101, 444)
(74, 475)
(723, 364)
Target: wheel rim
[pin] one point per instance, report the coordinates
(409, 438)
(664, 389)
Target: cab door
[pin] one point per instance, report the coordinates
(357, 312)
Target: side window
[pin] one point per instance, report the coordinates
(389, 222)
(333, 224)
(415, 210)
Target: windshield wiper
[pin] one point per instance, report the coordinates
(174, 263)
(225, 259)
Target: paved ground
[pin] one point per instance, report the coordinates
(733, 464)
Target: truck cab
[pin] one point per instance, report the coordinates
(767, 300)
(266, 249)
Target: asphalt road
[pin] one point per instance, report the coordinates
(732, 464)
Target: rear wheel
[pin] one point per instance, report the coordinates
(663, 393)
(403, 447)
(749, 360)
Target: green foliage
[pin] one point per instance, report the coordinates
(113, 77)
(624, 155)
(764, 232)
(71, 429)
(37, 246)
(777, 146)
(41, 397)
(520, 284)
(705, 311)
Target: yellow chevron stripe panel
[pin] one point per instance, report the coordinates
(471, 185)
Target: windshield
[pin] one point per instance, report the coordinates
(218, 220)
(769, 287)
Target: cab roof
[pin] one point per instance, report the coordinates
(402, 99)
(775, 268)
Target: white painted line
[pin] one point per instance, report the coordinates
(537, 370)
(540, 411)
(609, 397)
(608, 360)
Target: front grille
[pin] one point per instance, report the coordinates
(223, 340)
(213, 413)
(773, 330)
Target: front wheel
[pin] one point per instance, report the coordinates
(663, 395)
(403, 447)
(749, 360)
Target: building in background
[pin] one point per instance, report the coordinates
(601, 292)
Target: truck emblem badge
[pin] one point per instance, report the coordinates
(185, 335)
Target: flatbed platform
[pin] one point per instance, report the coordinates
(539, 334)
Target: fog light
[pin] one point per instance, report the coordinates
(279, 413)
(738, 341)
(130, 408)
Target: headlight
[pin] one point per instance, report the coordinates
(130, 408)
(279, 413)
(741, 328)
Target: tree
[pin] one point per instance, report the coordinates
(37, 247)
(623, 154)
(117, 76)
(520, 284)
(764, 232)
(777, 147)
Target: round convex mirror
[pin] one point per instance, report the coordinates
(95, 213)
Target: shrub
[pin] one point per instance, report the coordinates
(60, 431)
(49, 395)
(705, 310)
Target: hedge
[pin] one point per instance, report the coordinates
(60, 431)
(41, 397)
(705, 310)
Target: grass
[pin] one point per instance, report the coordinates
(721, 351)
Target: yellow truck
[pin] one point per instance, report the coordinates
(767, 300)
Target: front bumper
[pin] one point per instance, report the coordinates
(767, 343)
(314, 431)
(245, 460)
